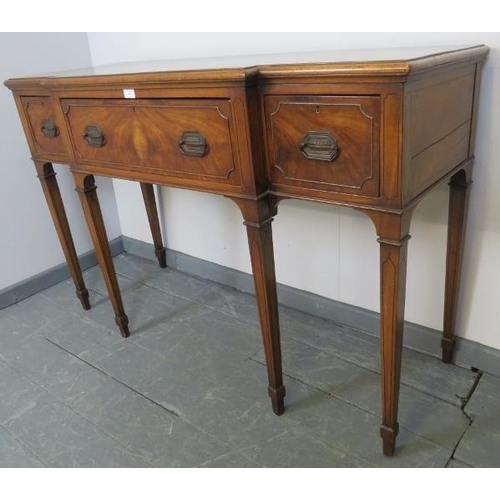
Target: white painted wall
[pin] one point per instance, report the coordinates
(28, 241)
(322, 249)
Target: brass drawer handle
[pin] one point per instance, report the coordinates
(319, 146)
(192, 143)
(94, 136)
(49, 128)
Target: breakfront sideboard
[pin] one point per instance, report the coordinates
(375, 131)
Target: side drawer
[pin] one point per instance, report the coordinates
(328, 143)
(44, 131)
(183, 137)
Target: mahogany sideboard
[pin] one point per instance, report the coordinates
(373, 130)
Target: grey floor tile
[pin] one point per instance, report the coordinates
(425, 373)
(61, 438)
(35, 312)
(52, 368)
(174, 378)
(64, 296)
(57, 435)
(479, 447)
(238, 411)
(298, 449)
(430, 375)
(17, 393)
(144, 307)
(420, 413)
(233, 460)
(137, 269)
(486, 397)
(185, 380)
(145, 428)
(94, 281)
(432, 418)
(183, 391)
(316, 367)
(222, 298)
(355, 432)
(78, 334)
(199, 324)
(12, 332)
(14, 455)
(10, 322)
(455, 464)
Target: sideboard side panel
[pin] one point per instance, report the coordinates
(438, 122)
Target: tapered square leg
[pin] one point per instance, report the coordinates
(260, 241)
(457, 210)
(261, 253)
(86, 188)
(393, 231)
(154, 222)
(393, 284)
(50, 187)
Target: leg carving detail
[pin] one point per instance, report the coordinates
(86, 188)
(50, 187)
(260, 241)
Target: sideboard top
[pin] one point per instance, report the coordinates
(370, 62)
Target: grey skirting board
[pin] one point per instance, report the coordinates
(467, 353)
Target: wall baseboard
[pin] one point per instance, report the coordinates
(50, 277)
(467, 353)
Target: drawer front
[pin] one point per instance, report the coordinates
(188, 138)
(328, 143)
(44, 130)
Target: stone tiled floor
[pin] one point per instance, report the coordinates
(188, 388)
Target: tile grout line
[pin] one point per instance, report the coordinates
(169, 410)
(23, 444)
(251, 357)
(338, 356)
(74, 410)
(142, 282)
(139, 284)
(465, 400)
(300, 341)
(333, 396)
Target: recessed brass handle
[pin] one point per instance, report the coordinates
(49, 128)
(193, 143)
(94, 136)
(319, 146)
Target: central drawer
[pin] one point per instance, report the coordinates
(179, 137)
(326, 143)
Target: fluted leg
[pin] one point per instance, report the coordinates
(86, 188)
(457, 211)
(52, 194)
(154, 223)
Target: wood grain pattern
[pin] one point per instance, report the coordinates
(146, 134)
(393, 231)
(457, 213)
(402, 125)
(148, 195)
(86, 188)
(438, 114)
(257, 219)
(352, 121)
(38, 109)
(50, 188)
